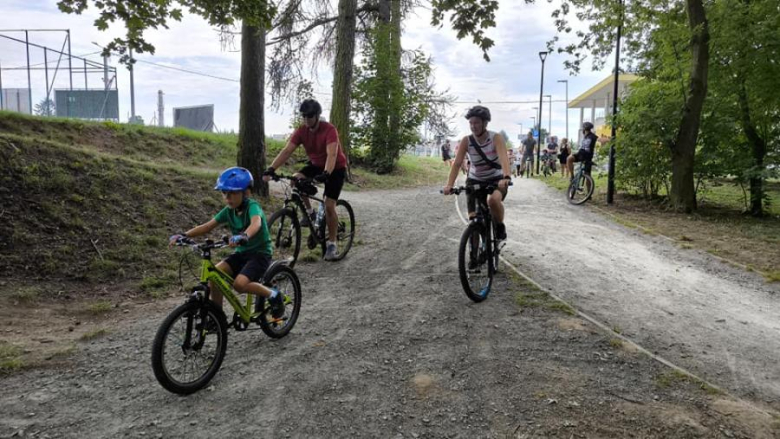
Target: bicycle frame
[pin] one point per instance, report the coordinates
(211, 275)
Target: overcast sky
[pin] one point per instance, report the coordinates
(512, 75)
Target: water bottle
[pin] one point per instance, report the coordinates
(320, 215)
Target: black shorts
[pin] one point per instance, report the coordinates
(333, 184)
(250, 264)
(583, 156)
(471, 198)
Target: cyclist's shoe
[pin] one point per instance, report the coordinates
(331, 252)
(500, 231)
(308, 219)
(277, 305)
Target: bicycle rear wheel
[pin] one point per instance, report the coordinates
(189, 347)
(285, 233)
(476, 277)
(580, 189)
(284, 279)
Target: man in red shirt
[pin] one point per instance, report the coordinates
(327, 163)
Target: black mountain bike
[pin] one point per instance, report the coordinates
(581, 186)
(285, 227)
(479, 249)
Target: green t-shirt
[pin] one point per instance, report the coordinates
(240, 221)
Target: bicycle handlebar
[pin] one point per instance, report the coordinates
(207, 245)
(473, 188)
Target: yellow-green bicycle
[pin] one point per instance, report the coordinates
(191, 342)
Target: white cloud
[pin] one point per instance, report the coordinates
(512, 75)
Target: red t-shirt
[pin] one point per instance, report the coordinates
(316, 143)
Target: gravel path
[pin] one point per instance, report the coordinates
(721, 322)
(388, 345)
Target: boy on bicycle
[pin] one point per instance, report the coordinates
(251, 239)
(489, 164)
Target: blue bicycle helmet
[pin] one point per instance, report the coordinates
(234, 179)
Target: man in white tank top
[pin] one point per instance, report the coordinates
(489, 166)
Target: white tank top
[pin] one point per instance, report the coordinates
(479, 169)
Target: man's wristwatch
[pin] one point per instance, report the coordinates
(507, 177)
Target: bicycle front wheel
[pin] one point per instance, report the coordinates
(284, 280)
(285, 233)
(346, 228)
(189, 347)
(476, 277)
(580, 189)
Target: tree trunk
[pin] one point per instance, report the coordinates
(758, 148)
(251, 129)
(342, 71)
(683, 194)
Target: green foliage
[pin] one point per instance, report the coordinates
(468, 17)
(379, 95)
(140, 16)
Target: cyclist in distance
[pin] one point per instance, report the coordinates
(251, 239)
(585, 153)
(489, 164)
(327, 164)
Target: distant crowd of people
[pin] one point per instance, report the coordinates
(522, 158)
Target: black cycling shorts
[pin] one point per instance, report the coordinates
(584, 156)
(471, 198)
(250, 264)
(333, 184)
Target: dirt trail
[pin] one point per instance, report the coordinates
(721, 322)
(387, 346)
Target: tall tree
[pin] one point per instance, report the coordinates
(343, 67)
(251, 128)
(746, 46)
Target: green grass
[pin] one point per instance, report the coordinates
(673, 377)
(99, 307)
(616, 343)
(28, 294)
(97, 333)
(773, 276)
(10, 357)
(412, 171)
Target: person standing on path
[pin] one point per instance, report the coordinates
(529, 147)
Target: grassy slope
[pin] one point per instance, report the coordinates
(95, 202)
(718, 227)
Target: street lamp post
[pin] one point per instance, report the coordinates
(567, 106)
(611, 167)
(542, 56)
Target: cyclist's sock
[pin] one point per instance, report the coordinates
(274, 293)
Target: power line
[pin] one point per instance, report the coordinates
(188, 71)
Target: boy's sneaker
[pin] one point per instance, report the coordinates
(277, 305)
(500, 231)
(331, 252)
(308, 219)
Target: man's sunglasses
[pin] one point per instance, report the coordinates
(310, 116)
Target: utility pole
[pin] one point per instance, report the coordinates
(160, 109)
(132, 89)
(549, 115)
(567, 106)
